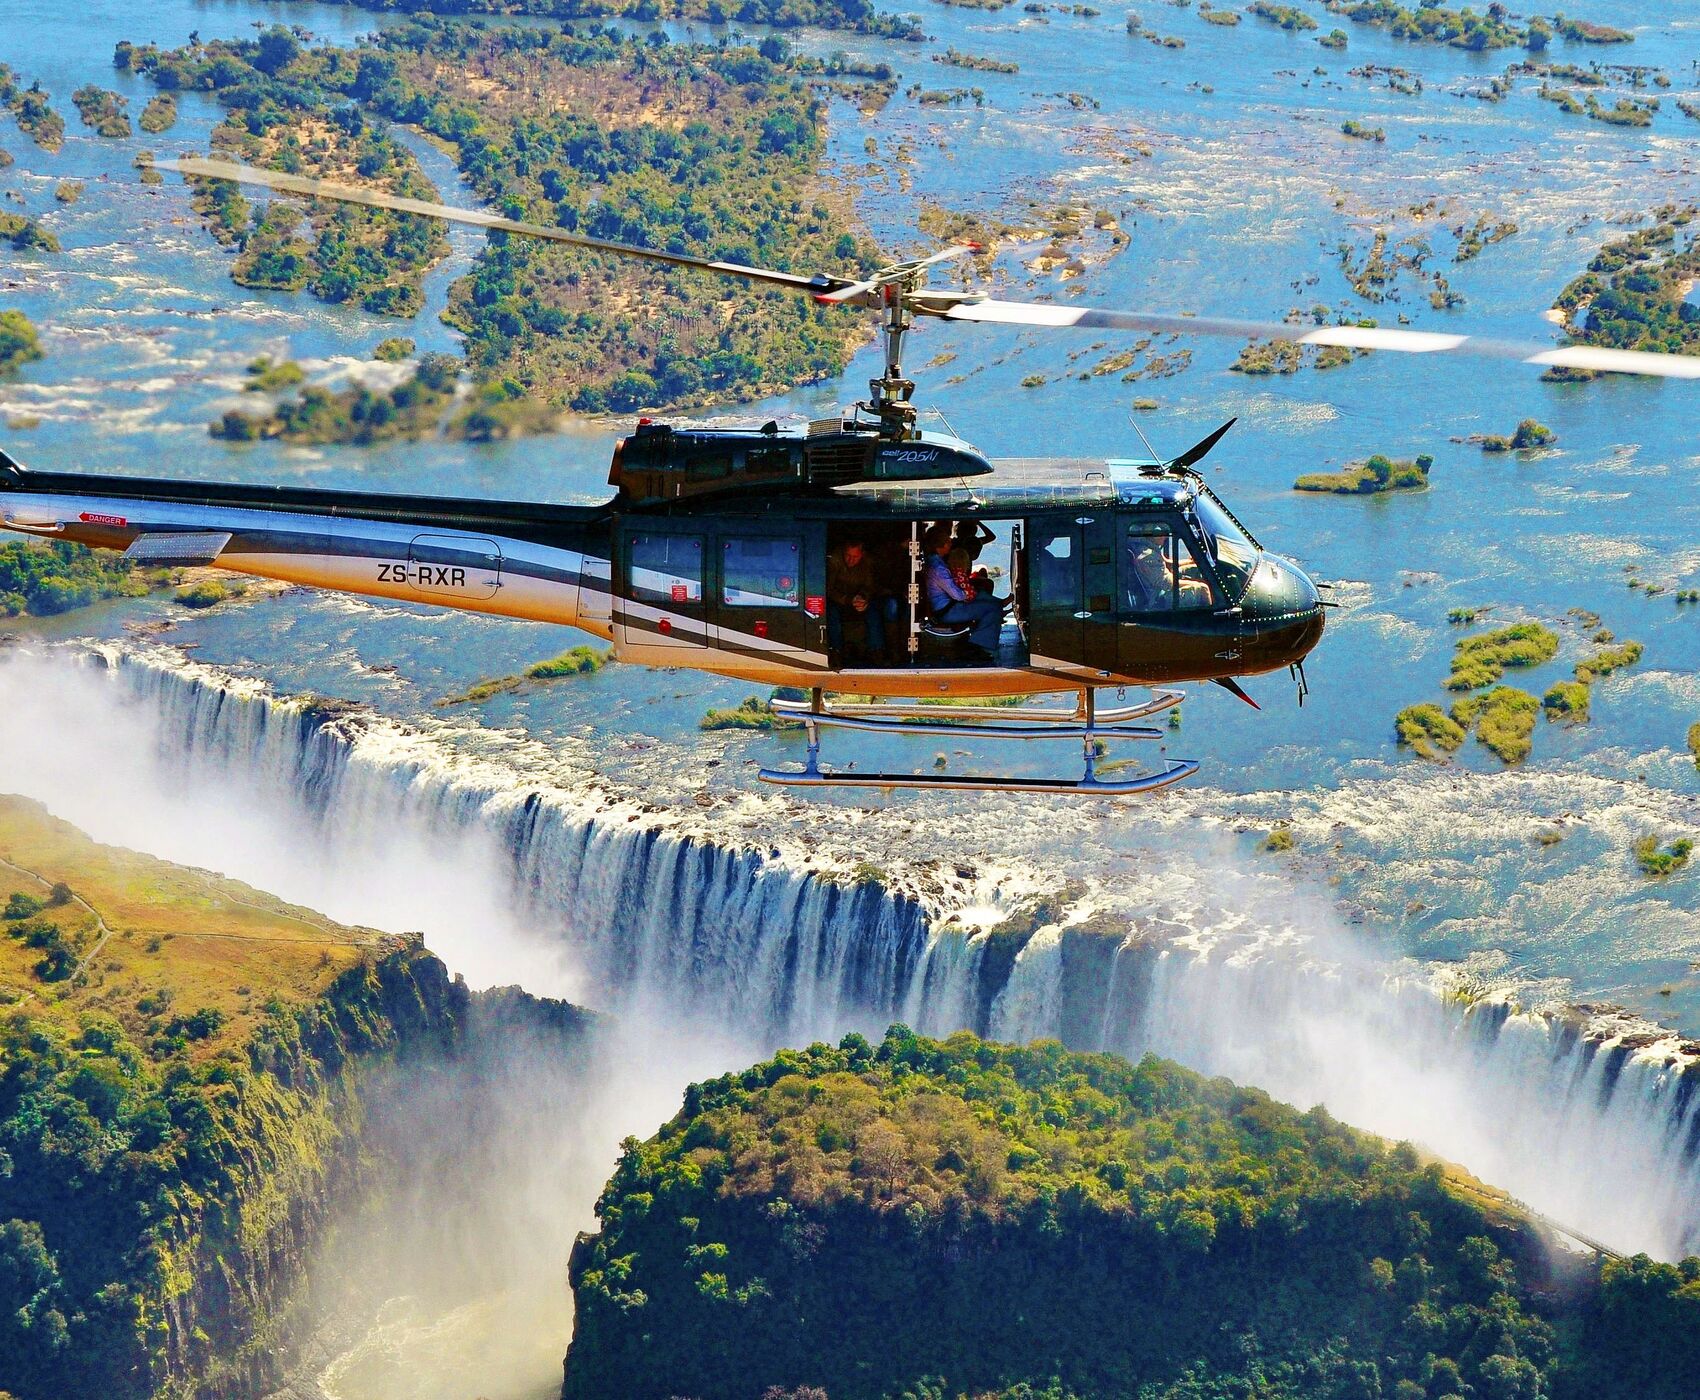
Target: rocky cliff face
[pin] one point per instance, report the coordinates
(233, 1294)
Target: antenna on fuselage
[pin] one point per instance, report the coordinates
(1133, 423)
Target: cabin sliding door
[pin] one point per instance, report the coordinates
(1071, 564)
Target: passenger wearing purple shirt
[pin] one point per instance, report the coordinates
(948, 602)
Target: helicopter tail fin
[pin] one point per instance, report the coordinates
(1199, 450)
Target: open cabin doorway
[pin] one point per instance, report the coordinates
(877, 611)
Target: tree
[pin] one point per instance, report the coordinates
(277, 50)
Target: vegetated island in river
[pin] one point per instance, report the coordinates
(954, 1217)
(42, 578)
(855, 16)
(736, 171)
(1635, 293)
(31, 108)
(414, 408)
(1494, 28)
(1377, 475)
(19, 343)
(1504, 718)
(184, 1068)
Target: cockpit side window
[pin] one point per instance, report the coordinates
(1160, 572)
(1230, 548)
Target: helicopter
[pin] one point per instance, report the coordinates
(727, 550)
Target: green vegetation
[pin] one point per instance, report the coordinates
(562, 128)
(103, 110)
(980, 65)
(208, 593)
(950, 97)
(413, 409)
(1567, 700)
(959, 1218)
(394, 349)
(854, 16)
(19, 343)
(750, 713)
(1461, 617)
(1634, 295)
(1429, 22)
(42, 579)
(1529, 434)
(1694, 743)
(1603, 663)
(1259, 357)
(1504, 720)
(1474, 238)
(1428, 731)
(31, 109)
(1287, 16)
(1481, 660)
(68, 191)
(1656, 862)
(579, 661)
(1226, 18)
(1280, 840)
(171, 1113)
(160, 114)
(266, 377)
(1372, 477)
(1582, 32)
(25, 235)
(282, 119)
(1356, 129)
(1334, 39)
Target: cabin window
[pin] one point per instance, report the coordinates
(760, 572)
(666, 569)
(1056, 567)
(710, 466)
(1232, 551)
(768, 461)
(1160, 572)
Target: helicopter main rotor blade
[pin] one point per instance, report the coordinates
(974, 306)
(1590, 357)
(819, 284)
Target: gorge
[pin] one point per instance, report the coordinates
(711, 949)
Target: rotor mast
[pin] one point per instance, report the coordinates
(893, 395)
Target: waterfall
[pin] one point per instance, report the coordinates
(578, 893)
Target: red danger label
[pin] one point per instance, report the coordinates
(90, 518)
(814, 605)
(681, 593)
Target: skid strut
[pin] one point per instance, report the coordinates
(1086, 722)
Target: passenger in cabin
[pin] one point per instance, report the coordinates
(854, 596)
(951, 605)
(971, 537)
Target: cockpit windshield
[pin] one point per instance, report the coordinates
(1231, 549)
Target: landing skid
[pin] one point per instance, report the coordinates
(1085, 722)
